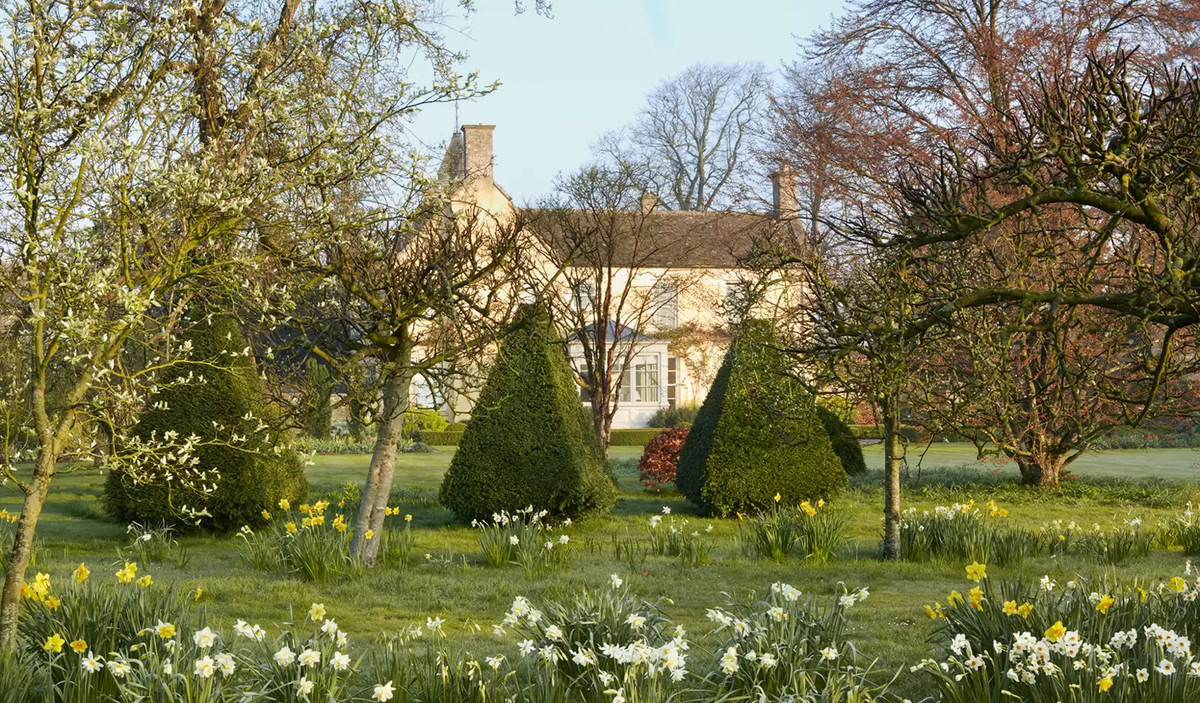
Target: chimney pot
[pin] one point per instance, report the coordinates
(649, 202)
(783, 189)
(477, 151)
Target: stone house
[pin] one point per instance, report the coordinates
(689, 279)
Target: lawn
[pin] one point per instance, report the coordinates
(454, 583)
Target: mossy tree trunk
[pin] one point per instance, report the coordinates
(378, 486)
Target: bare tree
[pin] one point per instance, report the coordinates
(613, 289)
(692, 140)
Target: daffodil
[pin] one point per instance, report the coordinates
(976, 571)
(81, 573)
(1055, 632)
(54, 643)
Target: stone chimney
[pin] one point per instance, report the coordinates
(783, 191)
(477, 151)
(649, 203)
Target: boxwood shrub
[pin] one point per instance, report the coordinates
(529, 442)
(449, 438)
(845, 444)
(253, 476)
(757, 434)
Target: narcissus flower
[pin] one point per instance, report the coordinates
(79, 646)
(976, 571)
(54, 643)
(81, 573)
(1056, 631)
(1104, 604)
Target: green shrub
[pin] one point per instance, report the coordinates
(418, 421)
(845, 444)
(680, 416)
(632, 438)
(529, 442)
(757, 435)
(442, 439)
(253, 473)
(456, 427)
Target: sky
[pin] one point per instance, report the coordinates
(568, 79)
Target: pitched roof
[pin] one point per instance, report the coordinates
(622, 333)
(658, 239)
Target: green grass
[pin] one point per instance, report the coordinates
(890, 626)
(1174, 464)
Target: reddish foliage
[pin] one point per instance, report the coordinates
(657, 465)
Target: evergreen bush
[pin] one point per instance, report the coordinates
(757, 435)
(253, 474)
(845, 444)
(529, 442)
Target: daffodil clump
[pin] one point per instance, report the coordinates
(671, 536)
(812, 531)
(965, 531)
(1115, 544)
(605, 645)
(1078, 641)
(313, 541)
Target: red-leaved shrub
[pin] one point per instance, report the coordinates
(657, 466)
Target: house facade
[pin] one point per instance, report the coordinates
(690, 281)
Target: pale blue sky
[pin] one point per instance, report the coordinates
(567, 80)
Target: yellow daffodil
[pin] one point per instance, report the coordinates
(976, 571)
(408, 518)
(1010, 607)
(79, 646)
(290, 527)
(1055, 632)
(976, 597)
(266, 515)
(164, 630)
(1177, 585)
(934, 611)
(145, 581)
(127, 574)
(81, 573)
(1104, 684)
(199, 592)
(54, 643)
(1142, 594)
(1025, 610)
(284, 504)
(370, 534)
(779, 497)
(956, 599)
(1105, 603)
(52, 603)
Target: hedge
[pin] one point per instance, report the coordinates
(633, 438)
(529, 442)
(618, 438)
(876, 432)
(757, 434)
(449, 438)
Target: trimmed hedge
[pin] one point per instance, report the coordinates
(529, 442)
(455, 427)
(757, 435)
(449, 438)
(252, 476)
(633, 438)
(876, 432)
(845, 444)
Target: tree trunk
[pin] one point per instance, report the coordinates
(893, 460)
(1043, 472)
(22, 549)
(603, 422)
(383, 466)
